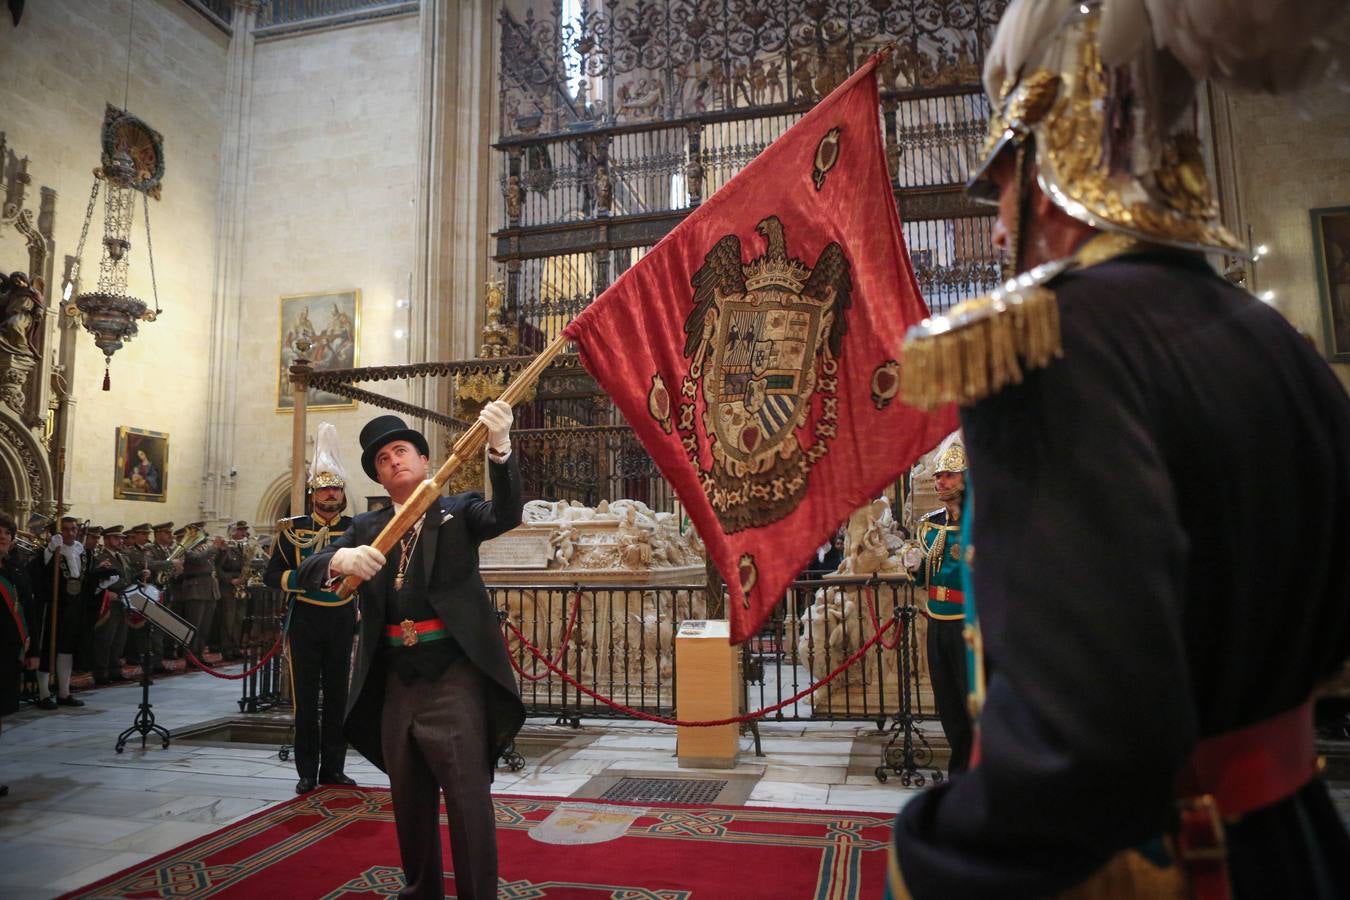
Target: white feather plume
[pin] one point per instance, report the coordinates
(326, 452)
(1278, 46)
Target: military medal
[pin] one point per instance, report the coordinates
(409, 627)
(398, 582)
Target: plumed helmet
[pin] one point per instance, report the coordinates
(1102, 92)
(326, 470)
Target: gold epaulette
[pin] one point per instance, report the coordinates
(985, 344)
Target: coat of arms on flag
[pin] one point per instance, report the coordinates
(763, 340)
(756, 351)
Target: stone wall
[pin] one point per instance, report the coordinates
(332, 161)
(58, 69)
(1290, 157)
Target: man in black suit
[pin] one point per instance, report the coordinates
(435, 701)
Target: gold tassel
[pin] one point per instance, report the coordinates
(974, 359)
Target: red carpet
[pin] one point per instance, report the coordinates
(339, 842)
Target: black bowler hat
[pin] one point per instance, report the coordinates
(383, 430)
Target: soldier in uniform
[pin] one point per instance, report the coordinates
(90, 537)
(940, 570)
(1147, 724)
(232, 565)
(111, 573)
(320, 626)
(197, 589)
(152, 560)
(14, 609)
(62, 563)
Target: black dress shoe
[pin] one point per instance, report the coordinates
(339, 778)
(304, 785)
(69, 701)
(47, 703)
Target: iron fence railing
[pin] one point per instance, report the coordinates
(619, 642)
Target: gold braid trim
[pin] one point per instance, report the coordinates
(983, 345)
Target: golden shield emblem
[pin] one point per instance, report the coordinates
(763, 341)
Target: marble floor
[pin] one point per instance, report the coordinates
(78, 811)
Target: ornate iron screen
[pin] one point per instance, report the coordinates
(618, 118)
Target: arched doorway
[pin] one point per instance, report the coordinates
(274, 504)
(25, 474)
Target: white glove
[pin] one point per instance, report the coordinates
(363, 562)
(54, 544)
(912, 557)
(497, 417)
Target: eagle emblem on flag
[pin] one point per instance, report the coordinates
(763, 343)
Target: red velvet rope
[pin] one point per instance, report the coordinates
(276, 648)
(746, 717)
(562, 645)
(871, 596)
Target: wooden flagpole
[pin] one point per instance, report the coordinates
(470, 443)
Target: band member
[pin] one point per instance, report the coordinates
(435, 698)
(148, 561)
(164, 575)
(940, 571)
(232, 570)
(111, 574)
(1158, 608)
(320, 626)
(61, 568)
(14, 636)
(91, 538)
(196, 587)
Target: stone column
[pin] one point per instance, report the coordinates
(454, 189)
(217, 497)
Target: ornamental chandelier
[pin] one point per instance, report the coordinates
(132, 163)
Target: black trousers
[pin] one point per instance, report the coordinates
(947, 667)
(321, 662)
(435, 735)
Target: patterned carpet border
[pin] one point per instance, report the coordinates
(345, 836)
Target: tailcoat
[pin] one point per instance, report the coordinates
(453, 529)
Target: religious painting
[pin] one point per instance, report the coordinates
(1331, 242)
(142, 471)
(331, 323)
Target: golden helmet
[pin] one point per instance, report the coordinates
(1114, 147)
(953, 459)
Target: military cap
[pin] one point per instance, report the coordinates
(178, 532)
(93, 529)
(240, 524)
(163, 526)
(143, 528)
(112, 529)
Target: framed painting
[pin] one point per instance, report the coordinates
(142, 467)
(332, 323)
(1331, 244)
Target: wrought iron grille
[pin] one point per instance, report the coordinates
(622, 647)
(619, 117)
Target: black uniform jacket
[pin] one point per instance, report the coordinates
(1160, 527)
(452, 530)
(282, 572)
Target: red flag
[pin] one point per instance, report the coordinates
(755, 351)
